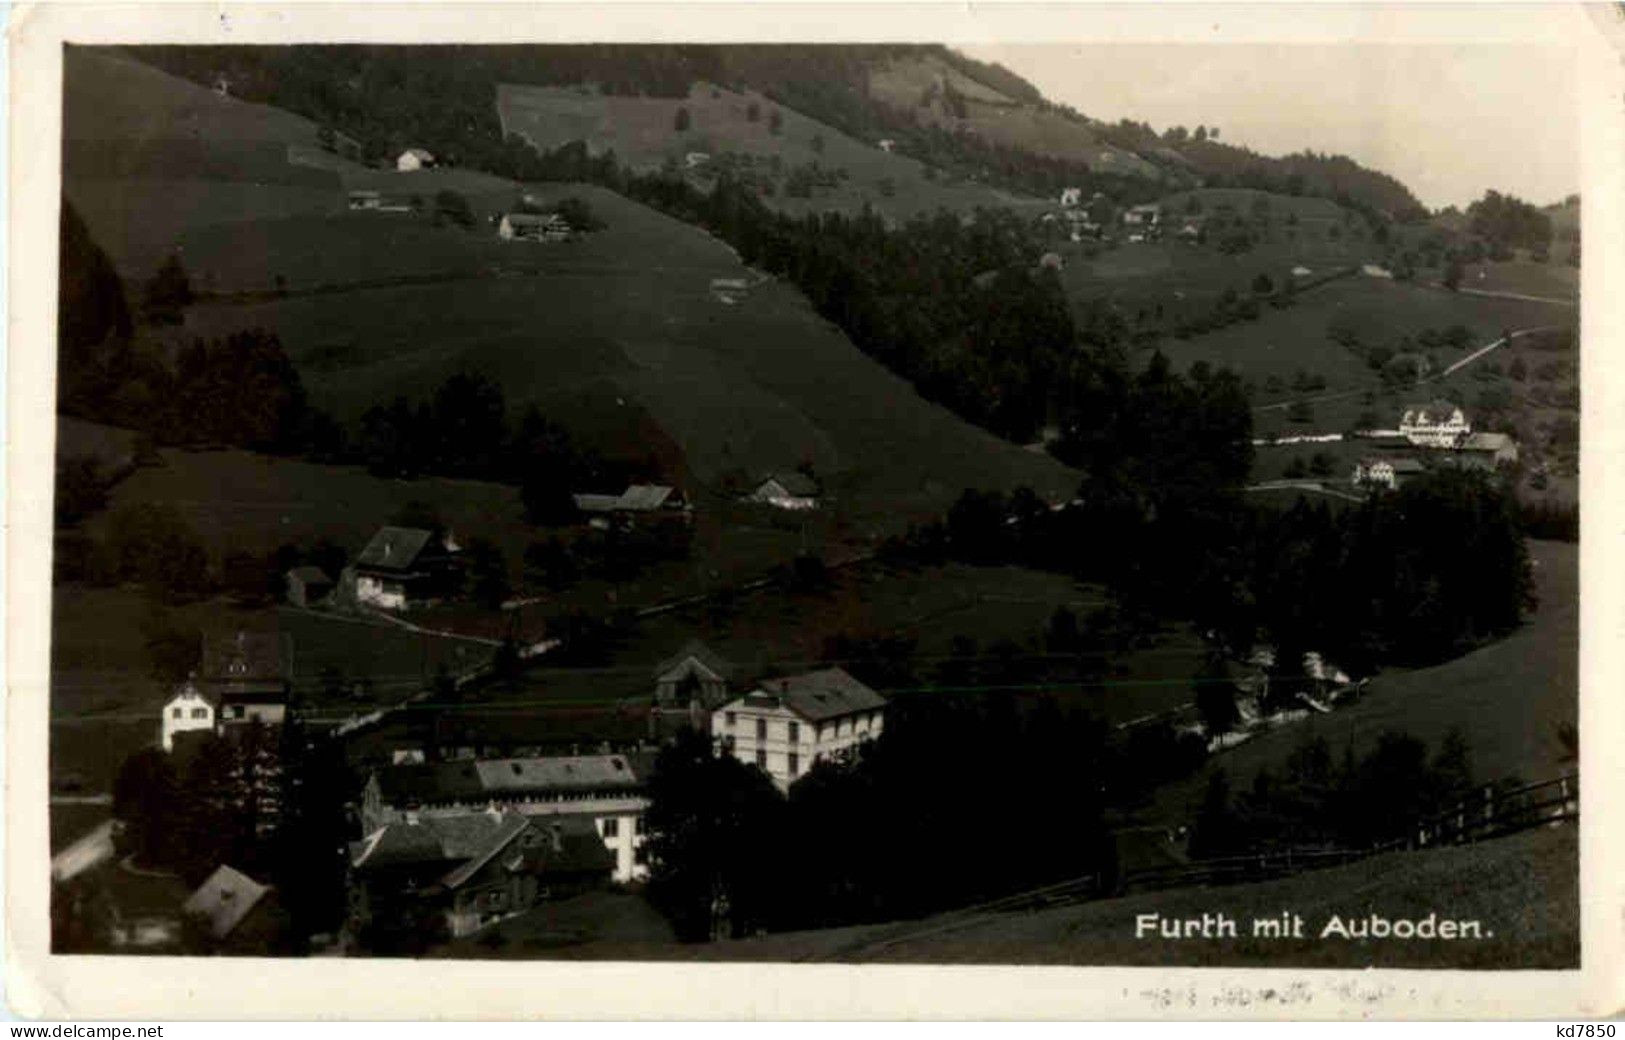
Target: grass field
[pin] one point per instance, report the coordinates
(642, 132)
(989, 114)
(740, 389)
(1524, 891)
(1508, 699)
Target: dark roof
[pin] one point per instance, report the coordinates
(699, 652)
(483, 779)
(224, 899)
(795, 482)
(310, 575)
(466, 842)
(394, 548)
(246, 657)
(821, 695)
(1437, 410)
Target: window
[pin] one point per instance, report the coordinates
(761, 759)
(176, 713)
(640, 855)
(728, 719)
(637, 825)
(818, 731)
(198, 713)
(612, 827)
(795, 763)
(761, 729)
(795, 734)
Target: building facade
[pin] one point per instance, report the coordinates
(1438, 424)
(605, 791)
(188, 710)
(787, 725)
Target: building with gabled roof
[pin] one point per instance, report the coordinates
(230, 905)
(1437, 424)
(789, 489)
(1387, 473)
(787, 725)
(403, 566)
(606, 790)
(475, 867)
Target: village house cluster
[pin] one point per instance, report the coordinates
(468, 827)
(1433, 433)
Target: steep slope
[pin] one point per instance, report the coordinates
(626, 336)
(929, 85)
(748, 134)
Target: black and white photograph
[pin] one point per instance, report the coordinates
(1075, 502)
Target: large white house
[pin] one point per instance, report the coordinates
(1438, 424)
(186, 711)
(786, 725)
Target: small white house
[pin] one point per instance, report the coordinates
(1438, 424)
(793, 491)
(1071, 196)
(787, 725)
(1375, 271)
(694, 160)
(1146, 215)
(1385, 473)
(413, 159)
(886, 145)
(186, 711)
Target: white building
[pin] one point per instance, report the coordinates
(1386, 473)
(1375, 271)
(1071, 196)
(608, 790)
(787, 725)
(413, 159)
(186, 711)
(1438, 424)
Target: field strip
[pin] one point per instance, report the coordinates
(1556, 300)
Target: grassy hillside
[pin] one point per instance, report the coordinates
(642, 133)
(1508, 699)
(740, 387)
(941, 95)
(1524, 889)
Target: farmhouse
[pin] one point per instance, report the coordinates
(1385, 473)
(413, 159)
(1071, 196)
(605, 791)
(636, 499)
(792, 490)
(308, 586)
(1438, 424)
(247, 676)
(534, 227)
(788, 724)
(1146, 215)
(402, 567)
(694, 679)
(886, 145)
(473, 870)
(186, 711)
